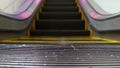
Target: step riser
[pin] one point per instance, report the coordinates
(65, 1)
(60, 4)
(60, 16)
(60, 9)
(55, 4)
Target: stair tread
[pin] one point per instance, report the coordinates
(61, 30)
(60, 15)
(71, 20)
(60, 33)
(58, 3)
(61, 7)
(61, 24)
(61, 20)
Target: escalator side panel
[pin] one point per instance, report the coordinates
(11, 24)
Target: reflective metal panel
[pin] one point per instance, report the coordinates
(13, 6)
(18, 9)
(98, 11)
(106, 6)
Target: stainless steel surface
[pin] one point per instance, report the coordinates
(59, 56)
(10, 6)
(9, 23)
(106, 7)
(18, 9)
(14, 7)
(96, 12)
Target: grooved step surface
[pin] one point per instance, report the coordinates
(96, 56)
(65, 1)
(59, 4)
(60, 15)
(60, 9)
(60, 33)
(61, 24)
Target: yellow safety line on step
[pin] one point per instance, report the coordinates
(28, 33)
(83, 15)
(60, 42)
(34, 24)
(91, 33)
(37, 16)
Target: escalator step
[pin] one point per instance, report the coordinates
(60, 18)
(59, 4)
(60, 9)
(60, 15)
(61, 1)
(60, 24)
(60, 33)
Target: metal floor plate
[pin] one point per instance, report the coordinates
(59, 56)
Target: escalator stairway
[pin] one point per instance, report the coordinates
(60, 18)
(60, 22)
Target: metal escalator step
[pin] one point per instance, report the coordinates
(60, 24)
(59, 4)
(60, 15)
(60, 9)
(61, 1)
(60, 33)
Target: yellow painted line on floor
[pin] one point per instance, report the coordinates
(108, 40)
(62, 42)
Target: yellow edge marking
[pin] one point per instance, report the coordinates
(63, 42)
(28, 33)
(83, 15)
(33, 24)
(55, 40)
(108, 40)
(37, 16)
(91, 33)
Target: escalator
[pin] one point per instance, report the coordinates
(59, 37)
(60, 22)
(60, 18)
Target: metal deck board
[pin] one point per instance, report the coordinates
(59, 56)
